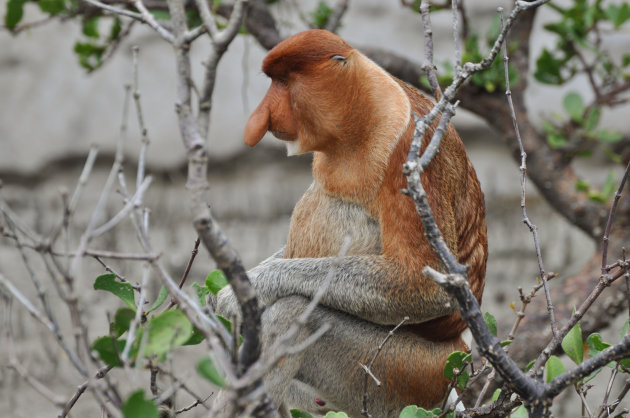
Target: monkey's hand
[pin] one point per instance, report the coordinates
(227, 304)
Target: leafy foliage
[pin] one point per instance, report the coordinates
(491, 79)
(123, 290)
(572, 344)
(455, 366)
(296, 413)
(109, 350)
(165, 331)
(15, 11)
(417, 412)
(573, 30)
(580, 134)
(491, 323)
(553, 368)
(206, 369)
(122, 321)
(138, 407)
(321, 15)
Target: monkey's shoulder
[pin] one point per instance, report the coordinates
(320, 223)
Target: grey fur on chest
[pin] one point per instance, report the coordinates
(324, 222)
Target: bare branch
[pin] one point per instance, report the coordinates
(334, 20)
(611, 215)
(523, 169)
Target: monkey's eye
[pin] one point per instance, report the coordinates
(338, 58)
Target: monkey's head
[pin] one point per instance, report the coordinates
(314, 83)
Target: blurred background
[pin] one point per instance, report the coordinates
(52, 112)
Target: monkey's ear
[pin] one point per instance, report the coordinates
(338, 58)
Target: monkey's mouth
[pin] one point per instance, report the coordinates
(284, 136)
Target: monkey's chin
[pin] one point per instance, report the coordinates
(293, 148)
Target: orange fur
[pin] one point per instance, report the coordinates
(357, 120)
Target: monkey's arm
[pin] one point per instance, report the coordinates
(369, 287)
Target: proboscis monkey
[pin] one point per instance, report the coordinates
(327, 98)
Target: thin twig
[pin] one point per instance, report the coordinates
(193, 254)
(611, 214)
(368, 368)
(428, 66)
(144, 16)
(143, 129)
(523, 170)
(457, 35)
(15, 364)
(80, 390)
(580, 392)
(334, 20)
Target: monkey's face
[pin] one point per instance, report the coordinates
(273, 114)
(302, 105)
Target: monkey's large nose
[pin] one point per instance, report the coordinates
(256, 125)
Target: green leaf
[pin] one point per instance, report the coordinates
(491, 323)
(548, 68)
(52, 7)
(160, 14)
(216, 281)
(574, 106)
(506, 343)
(559, 28)
(160, 299)
(618, 15)
(520, 412)
(109, 349)
(613, 156)
(296, 413)
(572, 344)
(595, 196)
(608, 136)
(226, 322)
(15, 11)
(592, 118)
(595, 344)
(123, 290)
(413, 411)
(321, 14)
(529, 365)
(138, 407)
(582, 185)
(494, 30)
(624, 331)
(458, 360)
(122, 321)
(495, 395)
(195, 338)
(454, 361)
(206, 368)
(201, 292)
(115, 30)
(167, 330)
(90, 27)
(90, 54)
(609, 186)
(625, 61)
(584, 154)
(553, 368)
(556, 140)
